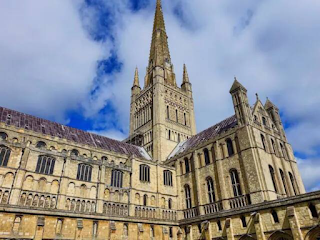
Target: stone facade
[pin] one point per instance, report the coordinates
(235, 180)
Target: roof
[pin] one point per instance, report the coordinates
(205, 135)
(38, 125)
(236, 85)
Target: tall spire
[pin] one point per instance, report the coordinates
(185, 75)
(136, 78)
(159, 51)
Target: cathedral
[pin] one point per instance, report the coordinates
(238, 179)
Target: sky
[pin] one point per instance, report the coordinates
(73, 61)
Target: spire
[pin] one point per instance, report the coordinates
(136, 79)
(159, 51)
(185, 75)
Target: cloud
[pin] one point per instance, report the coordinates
(47, 60)
(309, 169)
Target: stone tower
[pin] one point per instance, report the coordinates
(162, 114)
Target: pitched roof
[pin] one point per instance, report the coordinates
(38, 125)
(205, 135)
(236, 85)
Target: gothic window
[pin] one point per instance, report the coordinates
(230, 147)
(243, 221)
(219, 225)
(45, 164)
(273, 178)
(275, 216)
(188, 196)
(186, 164)
(283, 181)
(177, 119)
(185, 118)
(41, 144)
(313, 210)
(211, 194)
(3, 136)
(235, 182)
(206, 156)
(263, 140)
(255, 118)
(273, 146)
(179, 139)
(75, 152)
(170, 203)
(145, 200)
(170, 232)
(167, 178)
(4, 155)
(283, 151)
(168, 112)
(116, 178)
(144, 173)
(293, 183)
(84, 172)
(169, 135)
(264, 121)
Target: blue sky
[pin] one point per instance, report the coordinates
(73, 61)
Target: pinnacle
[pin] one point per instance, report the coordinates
(185, 74)
(236, 84)
(136, 78)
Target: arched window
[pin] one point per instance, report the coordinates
(144, 173)
(45, 164)
(4, 155)
(283, 181)
(211, 194)
(235, 182)
(84, 172)
(170, 203)
(167, 178)
(273, 178)
(170, 233)
(116, 178)
(41, 144)
(185, 118)
(145, 200)
(230, 147)
(177, 119)
(273, 146)
(243, 221)
(313, 210)
(264, 121)
(275, 216)
(206, 156)
(169, 135)
(186, 164)
(219, 225)
(284, 154)
(3, 136)
(168, 112)
(293, 183)
(255, 118)
(179, 138)
(188, 196)
(75, 152)
(263, 140)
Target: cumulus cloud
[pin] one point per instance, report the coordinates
(47, 60)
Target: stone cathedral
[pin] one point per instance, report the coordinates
(238, 179)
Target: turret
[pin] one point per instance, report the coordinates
(240, 103)
(273, 112)
(186, 85)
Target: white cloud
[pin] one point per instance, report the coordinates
(47, 61)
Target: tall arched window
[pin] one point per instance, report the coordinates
(211, 194)
(84, 172)
(230, 147)
(186, 164)
(167, 178)
(116, 178)
(284, 154)
(185, 118)
(283, 181)
(273, 178)
(169, 135)
(188, 196)
(144, 173)
(235, 182)
(275, 216)
(293, 183)
(45, 164)
(3, 136)
(263, 140)
(273, 146)
(206, 156)
(168, 112)
(4, 155)
(177, 118)
(170, 203)
(145, 200)
(264, 121)
(243, 221)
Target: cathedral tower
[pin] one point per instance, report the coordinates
(162, 114)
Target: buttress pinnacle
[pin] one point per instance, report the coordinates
(136, 78)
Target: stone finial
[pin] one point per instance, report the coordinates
(185, 74)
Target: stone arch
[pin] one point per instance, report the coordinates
(314, 233)
(83, 190)
(106, 194)
(280, 235)
(42, 184)
(137, 198)
(54, 186)
(125, 197)
(1, 179)
(153, 200)
(8, 180)
(116, 196)
(71, 188)
(93, 192)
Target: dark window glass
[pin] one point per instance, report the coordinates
(116, 178)
(3, 136)
(4, 155)
(293, 183)
(243, 221)
(275, 216)
(313, 210)
(188, 196)
(235, 183)
(167, 178)
(211, 194)
(41, 144)
(273, 178)
(84, 172)
(187, 166)
(283, 181)
(144, 173)
(206, 156)
(263, 140)
(230, 147)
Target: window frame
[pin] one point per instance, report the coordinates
(235, 182)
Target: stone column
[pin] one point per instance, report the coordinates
(198, 181)
(221, 176)
(294, 223)
(259, 227)
(100, 190)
